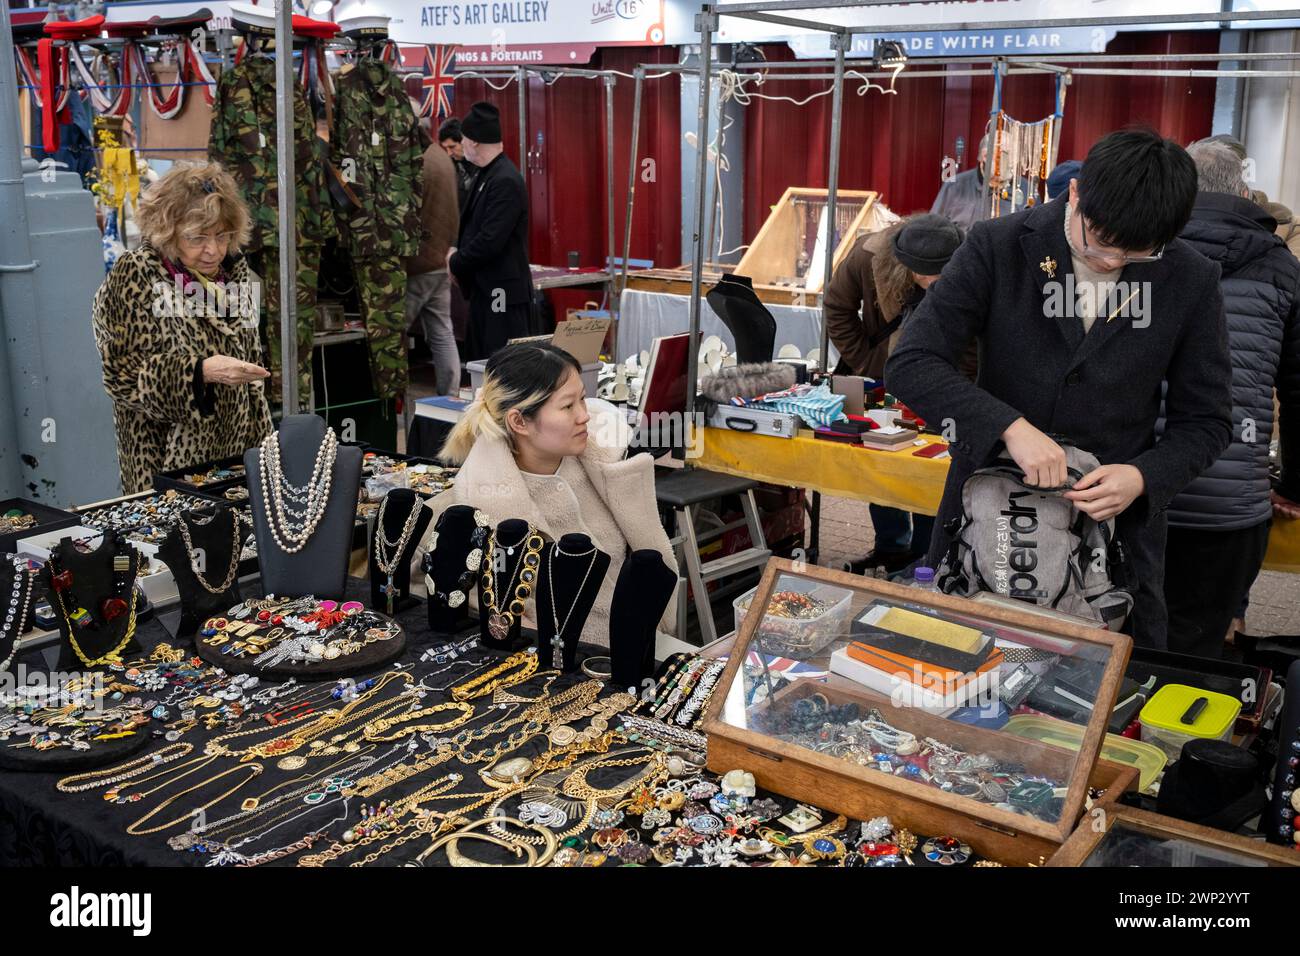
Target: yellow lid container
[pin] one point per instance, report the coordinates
(1147, 758)
(1177, 708)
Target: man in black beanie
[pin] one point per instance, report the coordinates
(490, 261)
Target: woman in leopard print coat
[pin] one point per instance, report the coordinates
(176, 322)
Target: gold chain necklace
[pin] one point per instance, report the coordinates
(377, 729)
(134, 828)
(500, 622)
(107, 776)
(488, 682)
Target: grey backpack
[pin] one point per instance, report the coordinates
(1035, 545)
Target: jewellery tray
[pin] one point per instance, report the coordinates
(175, 479)
(371, 657)
(860, 792)
(1126, 836)
(47, 519)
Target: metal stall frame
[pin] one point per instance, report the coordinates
(786, 13)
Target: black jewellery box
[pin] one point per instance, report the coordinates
(178, 478)
(47, 519)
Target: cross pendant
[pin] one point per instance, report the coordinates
(388, 590)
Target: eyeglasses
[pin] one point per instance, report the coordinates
(220, 239)
(1106, 254)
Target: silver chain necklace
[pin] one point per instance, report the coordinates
(389, 553)
(557, 642)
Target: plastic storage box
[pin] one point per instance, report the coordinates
(1178, 713)
(801, 637)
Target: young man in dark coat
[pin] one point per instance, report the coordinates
(490, 262)
(1083, 307)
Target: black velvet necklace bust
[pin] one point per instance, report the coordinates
(390, 591)
(508, 575)
(643, 589)
(573, 570)
(749, 321)
(451, 566)
(320, 568)
(218, 541)
(81, 583)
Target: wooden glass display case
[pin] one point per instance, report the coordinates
(1125, 836)
(789, 251)
(869, 698)
(786, 259)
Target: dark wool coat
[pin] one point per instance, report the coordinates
(1101, 391)
(492, 255)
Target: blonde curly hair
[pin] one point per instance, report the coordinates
(193, 198)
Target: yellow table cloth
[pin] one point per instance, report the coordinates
(896, 479)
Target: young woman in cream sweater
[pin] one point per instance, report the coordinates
(533, 447)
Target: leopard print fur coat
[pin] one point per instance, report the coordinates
(151, 333)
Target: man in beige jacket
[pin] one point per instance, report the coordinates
(428, 285)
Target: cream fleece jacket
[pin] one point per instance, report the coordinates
(616, 501)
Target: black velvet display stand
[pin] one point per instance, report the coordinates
(368, 659)
(563, 576)
(749, 321)
(66, 760)
(400, 503)
(509, 531)
(321, 567)
(216, 543)
(92, 581)
(445, 568)
(644, 587)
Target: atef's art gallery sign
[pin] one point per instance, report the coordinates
(509, 32)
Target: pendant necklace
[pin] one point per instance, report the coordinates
(557, 641)
(389, 553)
(500, 621)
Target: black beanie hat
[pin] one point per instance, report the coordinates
(483, 124)
(926, 243)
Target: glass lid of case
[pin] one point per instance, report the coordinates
(1127, 845)
(897, 686)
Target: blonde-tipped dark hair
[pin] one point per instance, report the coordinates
(196, 197)
(519, 376)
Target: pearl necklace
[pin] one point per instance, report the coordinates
(19, 606)
(299, 518)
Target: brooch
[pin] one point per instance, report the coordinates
(1048, 265)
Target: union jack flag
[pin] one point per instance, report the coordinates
(439, 80)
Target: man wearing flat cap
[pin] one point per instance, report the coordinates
(490, 262)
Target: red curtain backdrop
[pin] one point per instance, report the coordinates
(895, 144)
(892, 144)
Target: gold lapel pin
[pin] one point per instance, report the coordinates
(1048, 265)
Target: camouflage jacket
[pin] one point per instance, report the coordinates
(378, 146)
(243, 141)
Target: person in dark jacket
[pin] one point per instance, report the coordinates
(870, 296)
(452, 142)
(1062, 355)
(490, 262)
(1219, 524)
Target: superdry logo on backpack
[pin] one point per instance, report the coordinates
(1034, 545)
(1018, 557)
